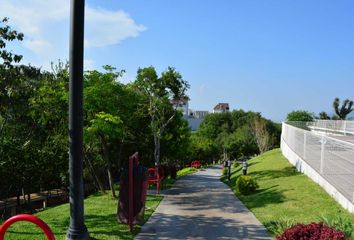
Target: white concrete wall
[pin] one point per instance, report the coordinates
(304, 168)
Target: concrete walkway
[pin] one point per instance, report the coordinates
(199, 206)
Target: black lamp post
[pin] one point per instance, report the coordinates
(77, 228)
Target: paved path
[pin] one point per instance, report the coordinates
(199, 206)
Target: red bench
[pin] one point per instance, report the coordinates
(155, 176)
(196, 164)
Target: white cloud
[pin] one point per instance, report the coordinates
(105, 27)
(46, 27)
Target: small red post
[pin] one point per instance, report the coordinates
(29, 218)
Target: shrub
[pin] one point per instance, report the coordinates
(224, 171)
(312, 231)
(246, 185)
(277, 227)
(236, 164)
(340, 223)
(173, 172)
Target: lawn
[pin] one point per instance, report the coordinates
(285, 195)
(100, 219)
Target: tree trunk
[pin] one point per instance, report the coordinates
(120, 153)
(108, 162)
(110, 179)
(156, 155)
(94, 176)
(158, 149)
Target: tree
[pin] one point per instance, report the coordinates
(344, 110)
(104, 128)
(107, 128)
(7, 34)
(161, 91)
(241, 142)
(18, 146)
(261, 134)
(324, 116)
(300, 115)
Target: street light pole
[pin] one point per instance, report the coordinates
(77, 229)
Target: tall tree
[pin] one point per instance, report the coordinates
(107, 128)
(344, 110)
(103, 124)
(161, 91)
(259, 129)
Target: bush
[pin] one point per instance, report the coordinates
(236, 164)
(173, 172)
(277, 227)
(312, 231)
(246, 185)
(340, 223)
(224, 171)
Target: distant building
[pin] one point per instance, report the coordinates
(200, 114)
(196, 117)
(194, 123)
(182, 105)
(221, 107)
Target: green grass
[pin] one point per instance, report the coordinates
(186, 171)
(284, 194)
(100, 219)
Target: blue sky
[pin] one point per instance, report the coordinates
(261, 55)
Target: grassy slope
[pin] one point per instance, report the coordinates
(285, 193)
(100, 219)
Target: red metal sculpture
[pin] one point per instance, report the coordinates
(196, 164)
(29, 218)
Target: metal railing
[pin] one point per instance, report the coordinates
(339, 127)
(332, 158)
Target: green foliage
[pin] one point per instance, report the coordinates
(236, 164)
(224, 171)
(241, 142)
(106, 124)
(324, 116)
(300, 115)
(344, 110)
(277, 227)
(7, 34)
(246, 185)
(339, 222)
(160, 92)
(186, 171)
(233, 132)
(34, 135)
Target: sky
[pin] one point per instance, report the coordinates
(268, 56)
